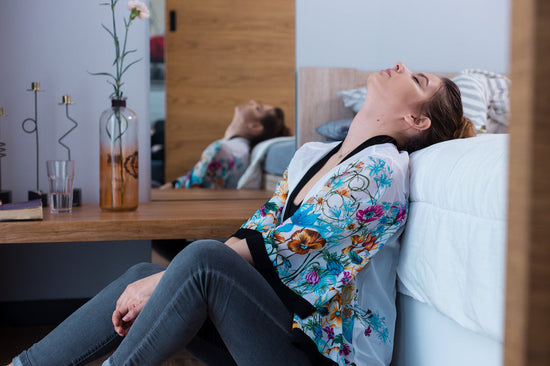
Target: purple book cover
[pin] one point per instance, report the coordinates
(21, 205)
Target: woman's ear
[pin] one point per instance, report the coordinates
(255, 128)
(419, 123)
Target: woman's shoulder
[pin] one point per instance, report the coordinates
(387, 150)
(393, 161)
(236, 145)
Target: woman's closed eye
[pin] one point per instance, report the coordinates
(416, 80)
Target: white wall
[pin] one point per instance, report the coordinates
(427, 35)
(56, 43)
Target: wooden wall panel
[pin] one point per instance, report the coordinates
(222, 54)
(527, 338)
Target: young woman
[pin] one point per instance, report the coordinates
(224, 161)
(309, 279)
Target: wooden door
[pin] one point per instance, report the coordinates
(219, 54)
(527, 338)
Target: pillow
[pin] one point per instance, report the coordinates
(353, 98)
(485, 99)
(335, 130)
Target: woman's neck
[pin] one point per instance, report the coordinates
(364, 126)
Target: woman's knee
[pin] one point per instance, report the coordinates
(199, 252)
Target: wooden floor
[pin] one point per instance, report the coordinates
(13, 340)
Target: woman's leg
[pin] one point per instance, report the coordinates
(88, 333)
(208, 346)
(208, 279)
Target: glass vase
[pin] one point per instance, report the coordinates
(118, 158)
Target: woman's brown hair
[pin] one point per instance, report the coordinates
(274, 126)
(447, 118)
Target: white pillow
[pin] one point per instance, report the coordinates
(353, 98)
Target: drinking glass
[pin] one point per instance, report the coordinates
(60, 177)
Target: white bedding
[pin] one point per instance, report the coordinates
(453, 250)
(252, 176)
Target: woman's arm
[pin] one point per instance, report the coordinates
(240, 246)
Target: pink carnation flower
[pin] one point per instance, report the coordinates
(141, 9)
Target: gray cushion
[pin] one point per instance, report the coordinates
(335, 130)
(278, 157)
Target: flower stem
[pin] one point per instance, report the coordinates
(117, 52)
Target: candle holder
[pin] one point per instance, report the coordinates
(33, 128)
(66, 101)
(5, 196)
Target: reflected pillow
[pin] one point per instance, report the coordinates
(335, 130)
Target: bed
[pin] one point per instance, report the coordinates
(451, 281)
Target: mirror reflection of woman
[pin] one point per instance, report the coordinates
(309, 279)
(225, 160)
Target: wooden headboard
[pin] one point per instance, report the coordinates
(317, 99)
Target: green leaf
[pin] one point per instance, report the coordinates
(101, 74)
(108, 30)
(128, 52)
(130, 64)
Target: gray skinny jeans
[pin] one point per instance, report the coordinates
(210, 300)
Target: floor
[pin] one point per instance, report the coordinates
(13, 340)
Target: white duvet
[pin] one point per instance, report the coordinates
(453, 250)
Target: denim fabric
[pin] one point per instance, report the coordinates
(209, 300)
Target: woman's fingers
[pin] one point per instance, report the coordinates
(123, 319)
(133, 312)
(117, 322)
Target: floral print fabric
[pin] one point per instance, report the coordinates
(221, 165)
(345, 219)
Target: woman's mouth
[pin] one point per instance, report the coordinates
(388, 71)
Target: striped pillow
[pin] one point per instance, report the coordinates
(485, 99)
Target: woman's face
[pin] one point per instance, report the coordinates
(253, 111)
(403, 89)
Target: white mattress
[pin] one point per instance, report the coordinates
(425, 337)
(453, 250)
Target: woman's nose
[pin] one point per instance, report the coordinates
(400, 67)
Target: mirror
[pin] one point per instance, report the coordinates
(219, 55)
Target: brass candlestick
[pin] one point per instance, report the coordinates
(66, 101)
(33, 128)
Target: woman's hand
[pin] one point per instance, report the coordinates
(166, 186)
(131, 302)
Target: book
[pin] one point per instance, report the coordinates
(29, 210)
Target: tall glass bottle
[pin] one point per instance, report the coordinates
(118, 158)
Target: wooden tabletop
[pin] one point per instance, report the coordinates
(152, 220)
(205, 194)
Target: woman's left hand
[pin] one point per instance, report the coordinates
(132, 301)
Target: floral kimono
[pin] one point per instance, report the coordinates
(221, 165)
(316, 257)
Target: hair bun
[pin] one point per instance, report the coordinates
(465, 129)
